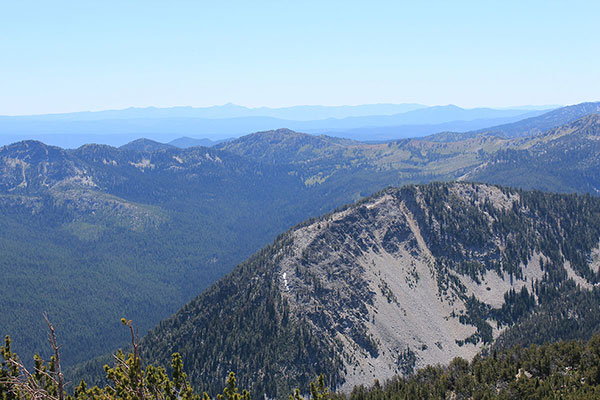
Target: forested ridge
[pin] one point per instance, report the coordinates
(564, 159)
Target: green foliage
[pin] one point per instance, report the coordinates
(128, 380)
(7, 371)
(231, 391)
(566, 370)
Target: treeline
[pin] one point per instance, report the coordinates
(565, 370)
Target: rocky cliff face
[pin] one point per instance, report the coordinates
(367, 278)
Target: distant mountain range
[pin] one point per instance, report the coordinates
(295, 113)
(367, 122)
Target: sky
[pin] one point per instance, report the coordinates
(64, 56)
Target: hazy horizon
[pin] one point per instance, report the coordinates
(259, 107)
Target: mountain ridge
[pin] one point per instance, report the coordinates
(561, 159)
(380, 288)
(527, 127)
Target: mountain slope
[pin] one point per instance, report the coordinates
(529, 126)
(168, 221)
(201, 211)
(284, 146)
(403, 131)
(564, 370)
(544, 122)
(323, 160)
(564, 159)
(406, 278)
(561, 159)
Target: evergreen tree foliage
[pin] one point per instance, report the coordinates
(128, 379)
(565, 370)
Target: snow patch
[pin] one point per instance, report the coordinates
(285, 281)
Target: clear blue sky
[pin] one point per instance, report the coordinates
(60, 56)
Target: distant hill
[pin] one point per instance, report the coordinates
(284, 146)
(562, 159)
(145, 145)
